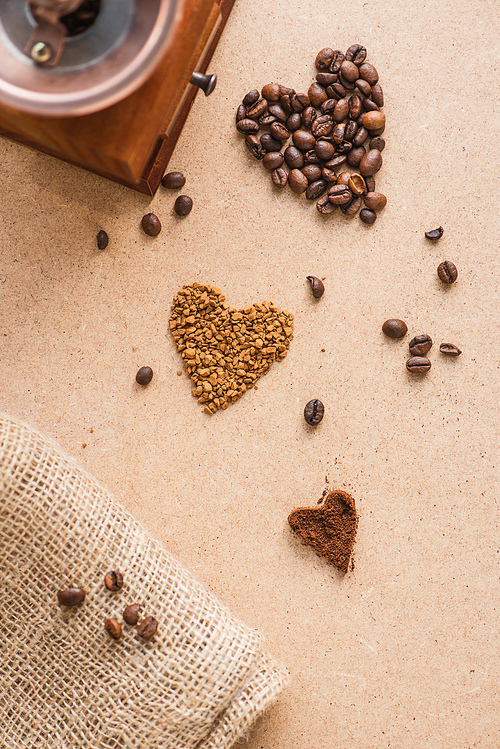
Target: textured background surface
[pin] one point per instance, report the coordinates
(402, 652)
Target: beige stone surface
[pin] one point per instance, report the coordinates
(402, 652)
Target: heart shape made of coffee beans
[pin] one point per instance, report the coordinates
(224, 350)
(329, 528)
(335, 128)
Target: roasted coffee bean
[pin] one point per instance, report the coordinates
(311, 157)
(368, 72)
(336, 91)
(324, 59)
(183, 205)
(356, 53)
(317, 94)
(322, 126)
(350, 209)
(151, 224)
(377, 132)
(370, 106)
(337, 60)
(271, 92)
(174, 180)
(286, 91)
(102, 240)
(247, 126)
(297, 181)
(395, 328)
(435, 233)
(113, 627)
(377, 94)
(254, 145)
(344, 147)
(294, 157)
(308, 116)
(312, 172)
(418, 364)
(360, 136)
(273, 160)
(420, 345)
(277, 111)
(314, 411)
(257, 109)
(345, 83)
(338, 133)
(326, 79)
(266, 119)
(367, 216)
(370, 184)
(373, 120)
(304, 140)
(114, 580)
(279, 177)
(355, 107)
(324, 149)
(131, 613)
(269, 143)
(375, 201)
(341, 110)
(351, 129)
(285, 103)
(364, 87)
(339, 194)
(370, 163)
(299, 102)
(324, 206)
(447, 272)
(317, 286)
(349, 71)
(343, 178)
(337, 160)
(356, 184)
(147, 628)
(279, 131)
(328, 175)
(250, 98)
(293, 122)
(328, 106)
(316, 189)
(355, 155)
(71, 596)
(378, 143)
(450, 349)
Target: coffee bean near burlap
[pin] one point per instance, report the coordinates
(200, 682)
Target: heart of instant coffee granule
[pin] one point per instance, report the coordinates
(224, 350)
(330, 528)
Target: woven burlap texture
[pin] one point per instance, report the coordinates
(64, 682)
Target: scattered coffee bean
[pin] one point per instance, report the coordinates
(144, 376)
(271, 92)
(257, 109)
(317, 286)
(450, 349)
(351, 208)
(273, 160)
(325, 207)
(370, 163)
(254, 145)
(269, 143)
(113, 627)
(420, 345)
(151, 224)
(71, 596)
(373, 120)
(316, 189)
(447, 272)
(147, 628)
(356, 184)
(241, 114)
(183, 205)
(435, 233)
(250, 98)
(279, 177)
(247, 126)
(375, 201)
(339, 194)
(174, 180)
(297, 181)
(418, 364)
(378, 143)
(113, 580)
(367, 216)
(394, 328)
(131, 613)
(102, 240)
(314, 411)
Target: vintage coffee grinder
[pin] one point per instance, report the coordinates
(106, 84)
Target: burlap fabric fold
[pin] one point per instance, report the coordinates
(64, 682)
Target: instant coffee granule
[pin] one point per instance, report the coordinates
(224, 350)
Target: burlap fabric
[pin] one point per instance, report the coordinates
(64, 682)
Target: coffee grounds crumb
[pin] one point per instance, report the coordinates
(330, 528)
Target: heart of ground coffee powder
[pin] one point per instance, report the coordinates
(330, 528)
(224, 350)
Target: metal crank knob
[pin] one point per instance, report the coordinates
(204, 81)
